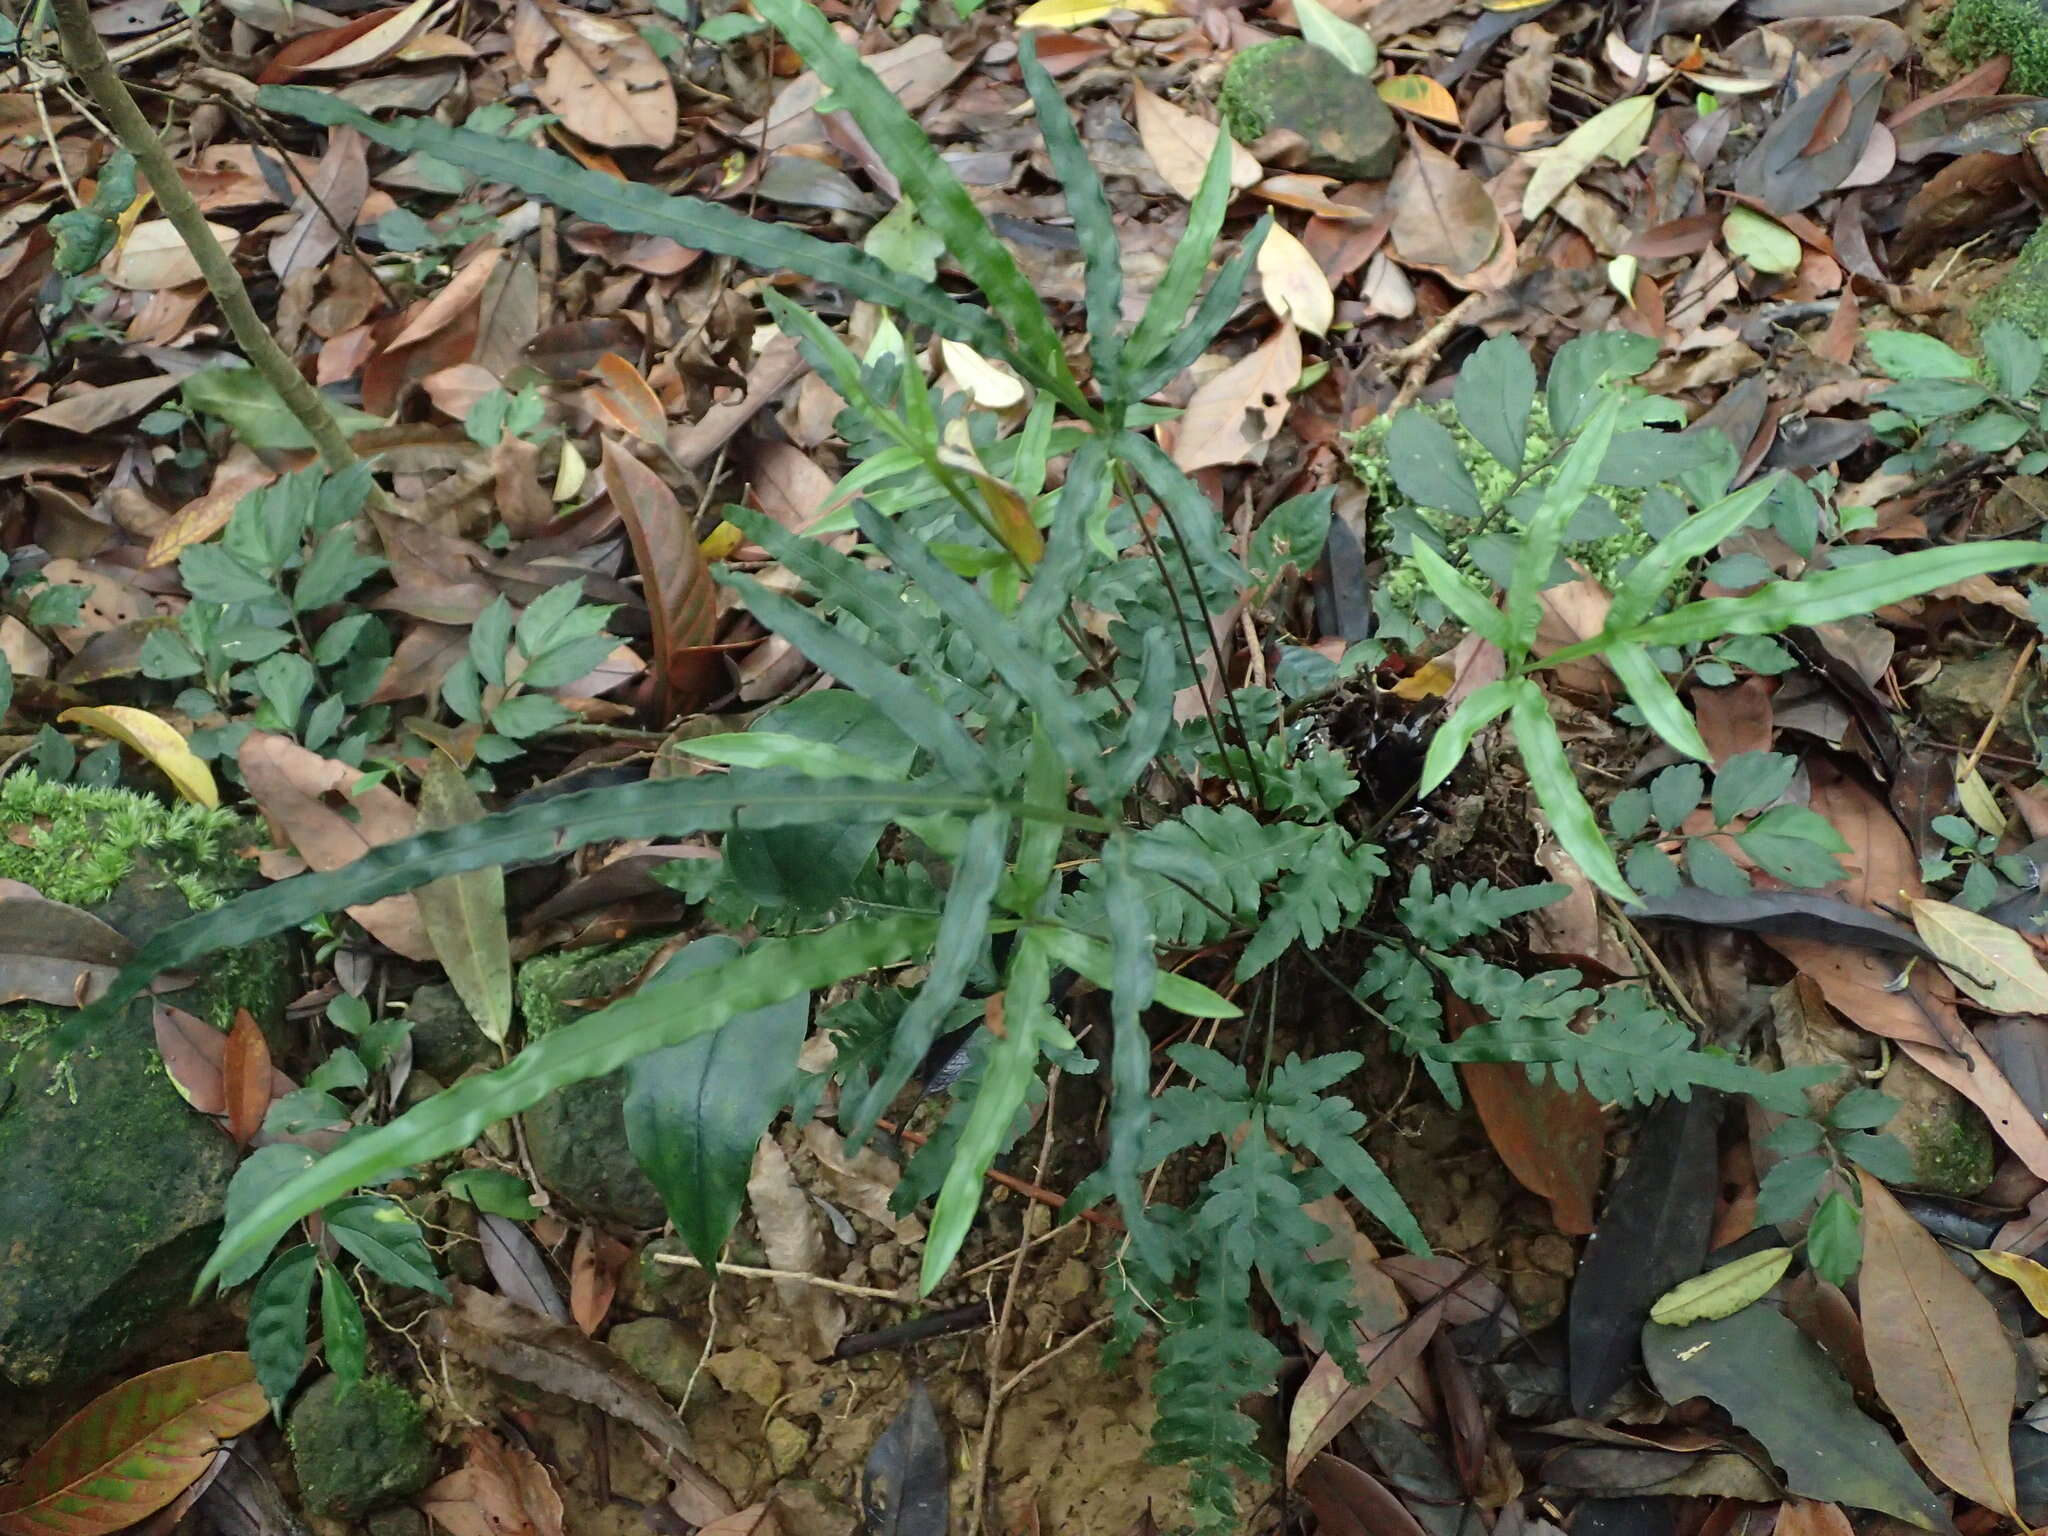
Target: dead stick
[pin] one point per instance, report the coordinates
(88, 59)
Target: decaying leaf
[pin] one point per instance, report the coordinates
(794, 1240)
(155, 739)
(681, 601)
(1233, 416)
(1989, 961)
(133, 1449)
(1943, 1362)
(500, 1490)
(903, 1486)
(1614, 133)
(598, 73)
(464, 915)
(1294, 286)
(246, 1077)
(1180, 145)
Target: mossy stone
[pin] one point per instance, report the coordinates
(666, 1352)
(446, 1041)
(358, 1448)
(1287, 84)
(1954, 1153)
(1958, 701)
(115, 1186)
(577, 1135)
(1982, 29)
(2021, 296)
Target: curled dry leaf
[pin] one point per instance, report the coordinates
(1233, 416)
(794, 1240)
(158, 741)
(1942, 1360)
(500, 1490)
(598, 73)
(1180, 145)
(681, 603)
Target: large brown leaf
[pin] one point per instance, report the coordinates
(1943, 1362)
(133, 1448)
(682, 605)
(598, 73)
(1554, 1142)
(293, 788)
(500, 1490)
(1233, 416)
(1443, 216)
(246, 1078)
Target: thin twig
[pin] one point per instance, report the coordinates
(1421, 354)
(87, 56)
(905, 1296)
(2005, 698)
(56, 154)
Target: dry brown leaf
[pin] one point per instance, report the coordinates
(1807, 1517)
(1943, 1362)
(500, 1490)
(1922, 1017)
(1327, 1400)
(1442, 214)
(1232, 417)
(681, 603)
(200, 519)
(1180, 145)
(625, 399)
(246, 1078)
(754, 1520)
(101, 405)
(391, 31)
(154, 256)
(292, 787)
(794, 1240)
(917, 72)
(789, 486)
(1293, 285)
(594, 1277)
(598, 74)
(463, 290)
(341, 182)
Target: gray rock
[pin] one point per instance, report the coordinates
(445, 1040)
(1957, 701)
(1287, 84)
(398, 1520)
(666, 1353)
(577, 1135)
(359, 1448)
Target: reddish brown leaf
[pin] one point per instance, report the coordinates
(681, 603)
(1349, 1501)
(501, 1490)
(1942, 1360)
(132, 1449)
(1328, 1400)
(195, 1056)
(1442, 214)
(1553, 1142)
(627, 401)
(245, 1077)
(594, 1277)
(1807, 1517)
(598, 73)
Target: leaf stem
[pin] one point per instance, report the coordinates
(88, 59)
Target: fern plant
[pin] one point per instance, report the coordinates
(998, 795)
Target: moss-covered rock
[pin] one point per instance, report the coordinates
(114, 1185)
(1957, 702)
(1289, 85)
(667, 1353)
(1982, 29)
(577, 1135)
(1952, 1146)
(359, 1448)
(2021, 296)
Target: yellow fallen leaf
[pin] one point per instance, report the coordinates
(1294, 286)
(1980, 803)
(1431, 680)
(1989, 961)
(720, 542)
(1079, 13)
(2029, 1276)
(156, 740)
(570, 473)
(1615, 133)
(1422, 96)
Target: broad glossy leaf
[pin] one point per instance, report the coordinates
(1424, 461)
(464, 914)
(1776, 1383)
(344, 1337)
(277, 1323)
(695, 1111)
(656, 808)
(592, 1046)
(385, 1240)
(1657, 699)
(132, 1449)
(638, 208)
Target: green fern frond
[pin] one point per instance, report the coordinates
(1466, 911)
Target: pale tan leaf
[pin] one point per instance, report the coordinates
(987, 384)
(1989, 961)
(154, 256)
(501, 1490)
(1942, 1360)
(200, 519)
(1616, 133)
(1293, 285)
(376, 44)
(1231, 418)
(101, 405)
(794, 1240)
(1180, 145)
(463, 290)
(598, 74)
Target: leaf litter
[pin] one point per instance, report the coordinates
(552, 403)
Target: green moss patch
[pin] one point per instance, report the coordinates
(1982, 29)
(358, 1447)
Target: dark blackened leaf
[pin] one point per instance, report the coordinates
(516, 1263)
(1786, 172)
(2020, 1048)
(1785, 915)
(2030, 1470)
(1624, 1517)
(1652, 1236)
(1776, 1383)
(903, 1485)
(1998, 125)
